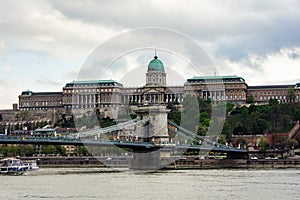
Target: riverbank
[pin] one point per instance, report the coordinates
(236, 164)
(124, 162)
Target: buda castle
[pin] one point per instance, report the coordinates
(102, 94)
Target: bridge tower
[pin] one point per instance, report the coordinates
(155, 131)
(153, 107)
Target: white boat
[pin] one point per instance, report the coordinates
(12, 166)
(30, 164)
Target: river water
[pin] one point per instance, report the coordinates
(85, 184)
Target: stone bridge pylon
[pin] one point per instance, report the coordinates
(156, 130)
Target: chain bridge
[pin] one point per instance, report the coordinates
(151, 137)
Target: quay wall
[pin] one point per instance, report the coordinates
(236, 163)
(187, 164)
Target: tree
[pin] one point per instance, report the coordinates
(263, 144)
(24, 115)
(260, 126)
(204, 119)
(61, 150)
(274, 108)
(222, 139)
(227, 130)
(176, 117)
(133, 116)
(252, 108)
(204, 105)
(83, 151)
(229, 107)
(190, 114)
(13, 150)
(202, 130)
(29, 150)
(49, 149)
(37, 124)
(291, 94)
(250, 99)
(3, 151)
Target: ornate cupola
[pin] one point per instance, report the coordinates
(156, 75)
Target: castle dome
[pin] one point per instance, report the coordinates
(156, 65)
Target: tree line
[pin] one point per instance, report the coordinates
(195, 115)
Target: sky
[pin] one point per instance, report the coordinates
(45, 44)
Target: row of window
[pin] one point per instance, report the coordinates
(217, 81)
(58, 98)
(271, 92)
(273, 97)
(89, 90)
(89, 85)
(40, 103)
(34, 108)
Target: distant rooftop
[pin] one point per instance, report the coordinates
(210, 78)
(30, 93)
(270, 87)
(94, 82)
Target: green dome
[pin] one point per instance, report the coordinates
(156, 65)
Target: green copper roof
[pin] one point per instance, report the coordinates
(93, 82)
(207, 78)
(27, 92)
(156, 65)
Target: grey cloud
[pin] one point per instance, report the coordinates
(235, 28)
(64, 31)
(250, 26)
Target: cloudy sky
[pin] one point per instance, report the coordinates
(44, 44)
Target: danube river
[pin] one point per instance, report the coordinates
(85, 184)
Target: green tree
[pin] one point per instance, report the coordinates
(222, 139)
(250, 99)
(202, 130)
(296, 116)
(252, 108)
(37, 125)
(274, 108)
(291, 95)
(61, 150)
(204, 119)
(227, 130)
(260, 126)
(3, 150)
(83, 151)
(177, 117)
(49, 149)
(29, 150)
(13, 150)
(263, 144)
(229, 107)
(24, 115)
(190, 113)
(133, 116)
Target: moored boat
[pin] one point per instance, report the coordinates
(12, 166)
(30, 164)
